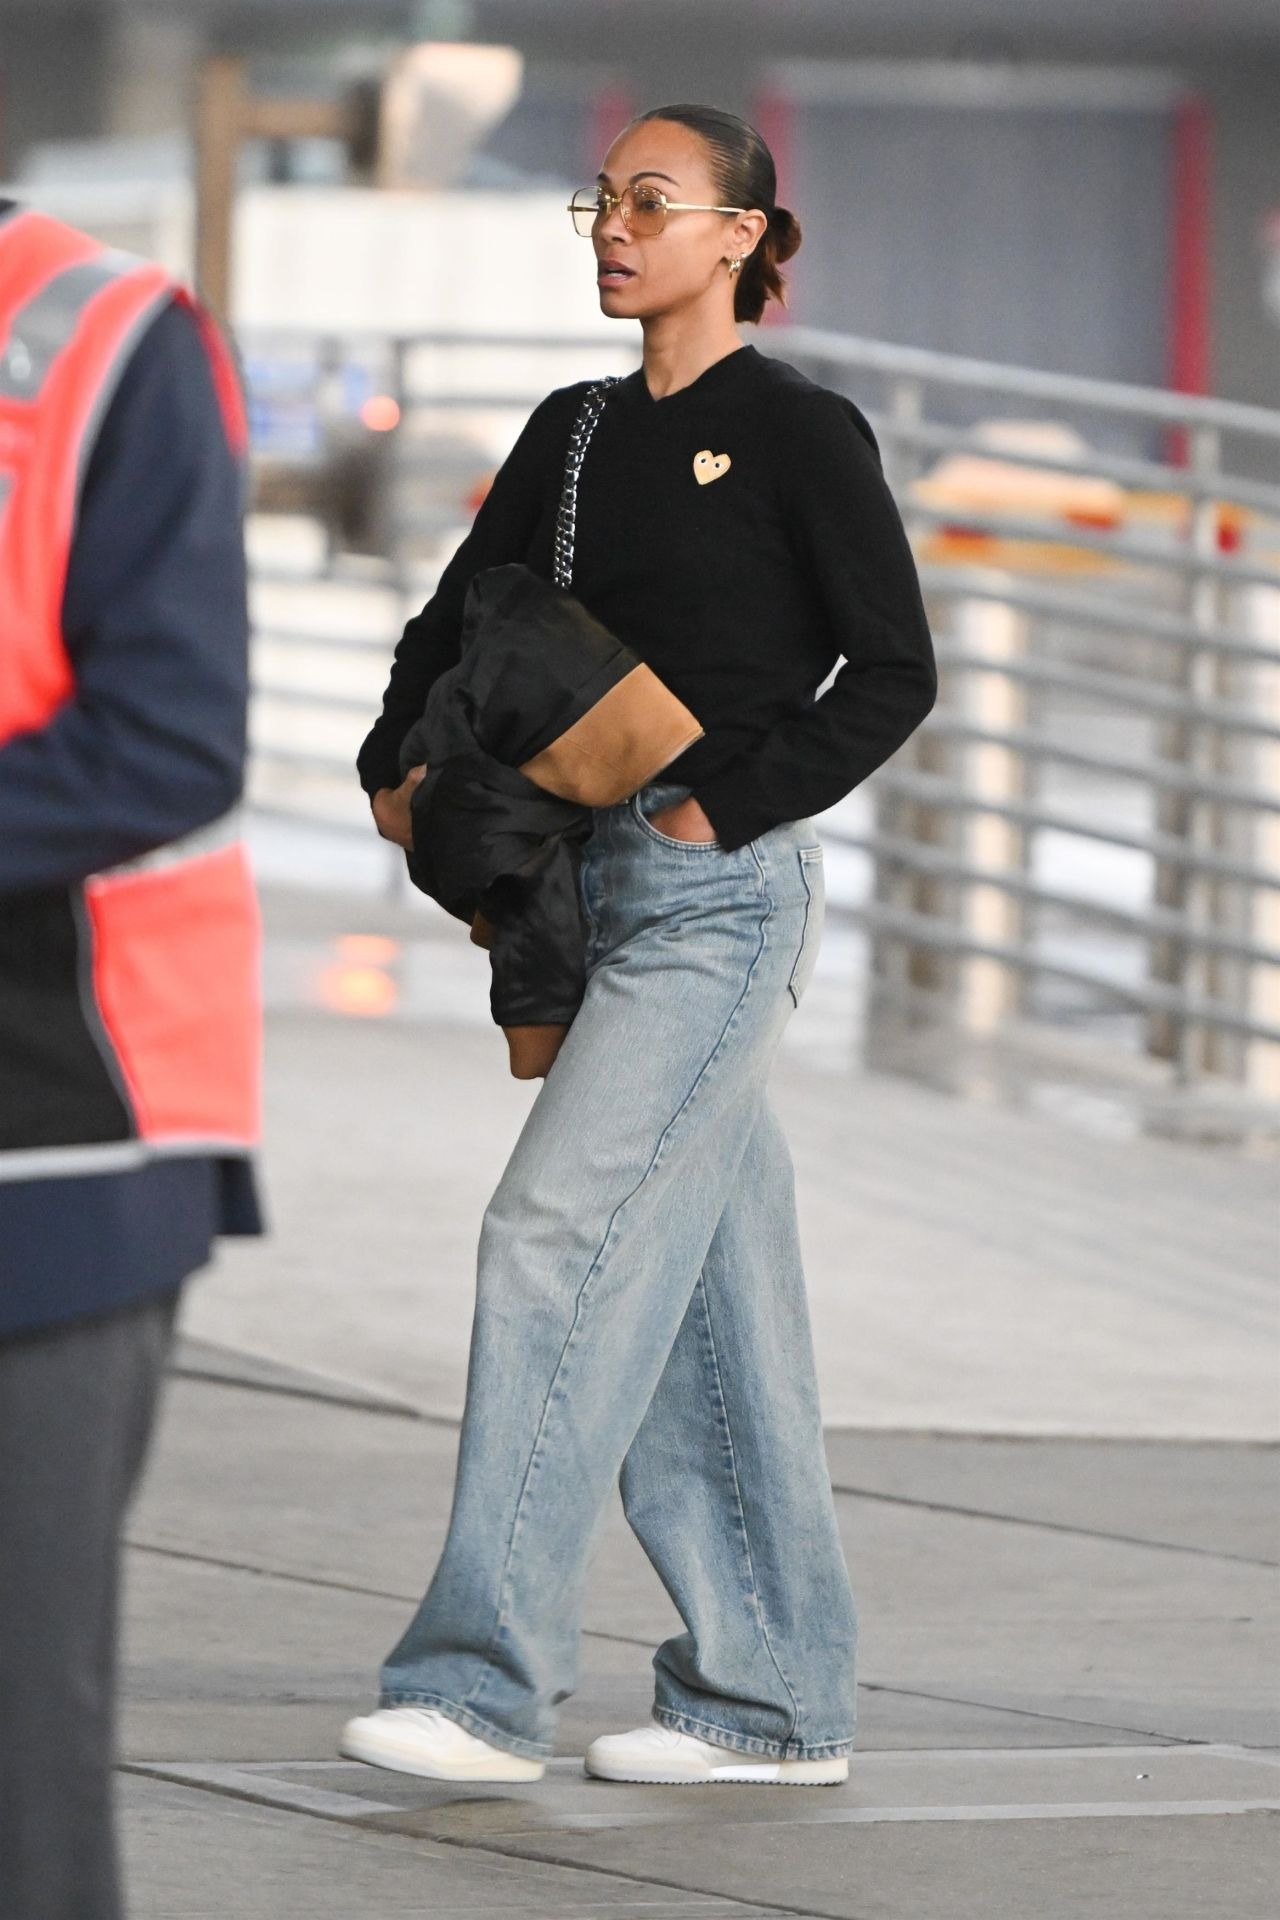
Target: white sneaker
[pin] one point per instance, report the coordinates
(658, 1754)
(420, 1740)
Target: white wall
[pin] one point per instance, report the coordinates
(403, 263)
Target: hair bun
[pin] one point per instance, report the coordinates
(785, 229)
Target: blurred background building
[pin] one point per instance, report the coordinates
(1042, 250)
(1108, 165)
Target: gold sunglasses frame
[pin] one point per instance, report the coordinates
(619, 200)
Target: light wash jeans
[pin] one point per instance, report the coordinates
(641, 1314)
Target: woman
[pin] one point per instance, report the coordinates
(640, 1309)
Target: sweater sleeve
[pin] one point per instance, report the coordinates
(500, 532)
(849, 537)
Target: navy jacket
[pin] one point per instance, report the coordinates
(151, 747)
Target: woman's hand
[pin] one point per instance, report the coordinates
(391, 809)
(684, 821)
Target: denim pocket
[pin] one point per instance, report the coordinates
(667, 839)
(813, 874)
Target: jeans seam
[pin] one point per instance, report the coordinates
(765, 1634)
(475, 1690)
(804, 931)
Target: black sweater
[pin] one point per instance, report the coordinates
(740, 593)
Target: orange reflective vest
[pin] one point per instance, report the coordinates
(145, 1040)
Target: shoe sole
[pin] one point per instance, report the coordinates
(509, 1769)
(786, 1773)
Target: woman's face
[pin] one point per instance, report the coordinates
(680, 265)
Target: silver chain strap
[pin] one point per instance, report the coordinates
(567, 518)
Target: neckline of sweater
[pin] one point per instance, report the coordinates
(709, 377)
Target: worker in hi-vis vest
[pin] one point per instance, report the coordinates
(129, 971)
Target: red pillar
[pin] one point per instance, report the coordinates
(1190, 270)
(773, 117)
(611, 107)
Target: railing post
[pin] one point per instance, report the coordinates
(1260, 996)
(394, 502)
(331, 355)
(894, 961)
(1186, 889)
(987, 989)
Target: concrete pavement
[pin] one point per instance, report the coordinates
(1046, 1356)
(1068, 1664)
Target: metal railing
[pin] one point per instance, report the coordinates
(1109, 688)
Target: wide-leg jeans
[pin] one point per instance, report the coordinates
(641, 1320)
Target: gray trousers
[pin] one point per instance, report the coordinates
(77, 1403)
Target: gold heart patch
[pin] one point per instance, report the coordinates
(708, 466)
